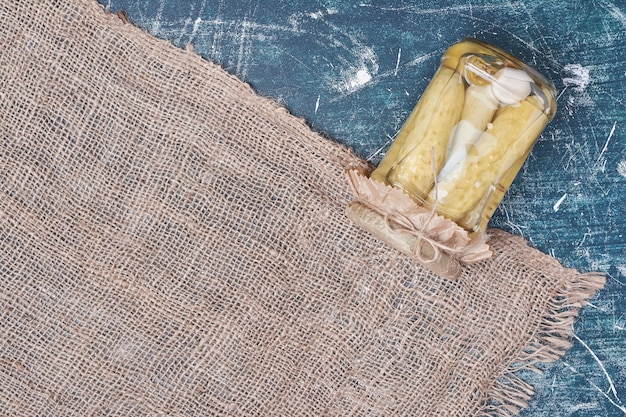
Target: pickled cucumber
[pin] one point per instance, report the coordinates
(513, 131)
(415, 173)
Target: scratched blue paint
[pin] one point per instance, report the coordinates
(354, 70)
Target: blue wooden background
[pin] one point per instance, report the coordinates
(355, 69)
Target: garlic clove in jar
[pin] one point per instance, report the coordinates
(511, 85)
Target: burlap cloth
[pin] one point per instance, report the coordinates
(173, 244)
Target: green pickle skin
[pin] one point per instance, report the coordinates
(415, 173)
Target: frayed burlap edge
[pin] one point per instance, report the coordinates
(510, 393)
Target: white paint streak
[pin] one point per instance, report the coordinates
(317, 103)
(157, 20)
(379, 150)
(395, 72)
(242, 44)
(608, 377)
(217, 32)
(196, 23)
(196, 26)
(619, 407)
(622, 269)
(445, 10)
(606, 144)
(557, 205)
(580, 78)
(621, 169)
(423, 58)
(255, 26)
(618, 323)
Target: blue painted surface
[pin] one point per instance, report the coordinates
(355, 70)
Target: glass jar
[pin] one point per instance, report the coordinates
(469, 134)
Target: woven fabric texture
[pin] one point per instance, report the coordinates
(173, 244)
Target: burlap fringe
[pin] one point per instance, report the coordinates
(510, 394)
